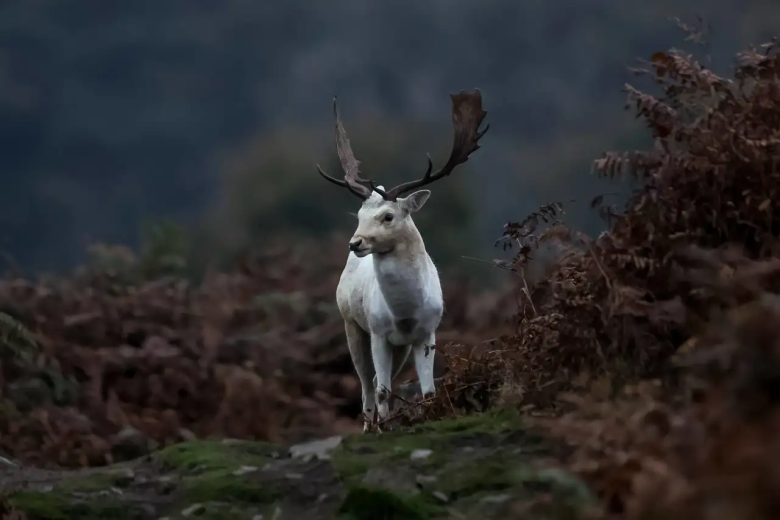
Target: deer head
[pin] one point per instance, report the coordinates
(384, 218)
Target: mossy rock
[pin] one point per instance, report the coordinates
(479, 466)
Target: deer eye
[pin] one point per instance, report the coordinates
(388, 217)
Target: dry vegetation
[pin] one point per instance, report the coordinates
(661, 333)
(122, 367)
(651, 350)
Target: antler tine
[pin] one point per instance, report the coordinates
(343, 184)
(349, 163)
(467, 116)
(352, 180)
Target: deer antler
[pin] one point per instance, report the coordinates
(352, 180)
(467, 115)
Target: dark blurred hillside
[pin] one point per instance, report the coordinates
(111, 113)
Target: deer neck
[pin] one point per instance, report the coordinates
(402, 274)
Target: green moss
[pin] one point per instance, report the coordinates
(224, 486)
(472, 458)
(363, 503)
(54, 506)
(359, 453)
(492, 473)
(208, 471)
(206, 455)
(492, 422)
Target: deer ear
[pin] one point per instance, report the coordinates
(415, 201)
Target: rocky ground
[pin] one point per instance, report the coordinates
(472, 467)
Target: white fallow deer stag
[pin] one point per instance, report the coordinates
(389, 293)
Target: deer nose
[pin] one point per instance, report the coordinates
(355, 244)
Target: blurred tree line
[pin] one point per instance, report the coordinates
(269, 188)
(213, 114)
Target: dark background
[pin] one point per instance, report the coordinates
(213, 114)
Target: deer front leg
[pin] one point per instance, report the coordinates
(359, 344)
(423, 364)
(382, 352)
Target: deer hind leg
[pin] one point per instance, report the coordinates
(424, 353)
(359, 343)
